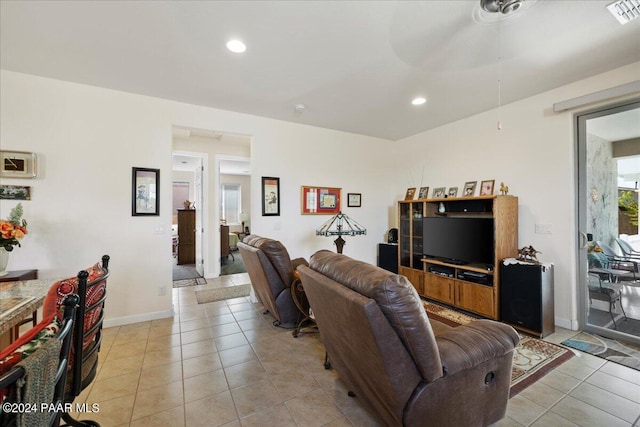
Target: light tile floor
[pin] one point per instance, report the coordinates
(223, 363)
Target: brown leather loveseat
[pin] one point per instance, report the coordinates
(271, 272)
(411, 371)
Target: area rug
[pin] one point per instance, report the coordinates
(233, 265)
(189, 282)
(605, 348)
(217, 294)
(185, 271)
(533, 358)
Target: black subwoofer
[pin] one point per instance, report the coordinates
(526, 297)
(388, 257)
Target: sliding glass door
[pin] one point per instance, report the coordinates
(608, 153)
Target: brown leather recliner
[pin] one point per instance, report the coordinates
(271, 272)
(409, 370)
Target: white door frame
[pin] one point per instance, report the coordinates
(202, 206)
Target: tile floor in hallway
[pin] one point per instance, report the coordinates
(224, 364)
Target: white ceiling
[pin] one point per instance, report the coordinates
(355, 65)
(616, 127)
(227, 166)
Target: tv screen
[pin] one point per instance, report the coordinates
(458, 240)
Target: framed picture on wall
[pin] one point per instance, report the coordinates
(270, 196)
(320, 200)
(145, 192)
(15, 192)
(354, 200)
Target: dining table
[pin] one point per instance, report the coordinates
(19, 300)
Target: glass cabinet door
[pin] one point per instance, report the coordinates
(416, 243)
(405, 234)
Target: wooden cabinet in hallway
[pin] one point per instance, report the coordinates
(186, 236)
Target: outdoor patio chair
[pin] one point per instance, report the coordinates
(608, 292)
(627, 249)
(623, 269)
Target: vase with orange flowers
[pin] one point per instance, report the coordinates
(12, 230)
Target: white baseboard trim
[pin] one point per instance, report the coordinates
(567, 324)
(145, 317)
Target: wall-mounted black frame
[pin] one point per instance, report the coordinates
(270, 196)
(354, 200)
(145, 192)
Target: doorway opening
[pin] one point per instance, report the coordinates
(609, 247)
(234, 210)
(188, 208)
(217, 155)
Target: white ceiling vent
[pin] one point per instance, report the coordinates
(625, 10)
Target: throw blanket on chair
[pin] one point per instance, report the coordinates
(39, 382)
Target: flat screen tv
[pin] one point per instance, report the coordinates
(458, 240)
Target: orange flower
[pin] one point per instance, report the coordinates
(6, 228)
(18, 234)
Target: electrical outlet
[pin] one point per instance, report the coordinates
(162, 291)
(543, 229)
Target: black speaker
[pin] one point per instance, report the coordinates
(526, 297)
(388, 257)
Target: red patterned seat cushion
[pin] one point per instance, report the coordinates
(27, 343)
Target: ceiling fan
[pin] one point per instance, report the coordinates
(502, 6)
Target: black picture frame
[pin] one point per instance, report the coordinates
(354, 200)
(145, 192)
(270, 196)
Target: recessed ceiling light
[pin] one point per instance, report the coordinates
(236, 46)
(419, 100)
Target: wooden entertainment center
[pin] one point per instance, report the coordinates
(470, 287)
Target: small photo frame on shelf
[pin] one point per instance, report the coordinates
(423, 193)
(453, 191)
(320, 200)
(270, 196)
(145, 192)
(469, 188)
(486, 187)
(411, 192)
(354, 200)
(439, 193)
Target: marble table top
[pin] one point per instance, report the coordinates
(29, 294)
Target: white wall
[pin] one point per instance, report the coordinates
(87, 140)
(534, 154)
